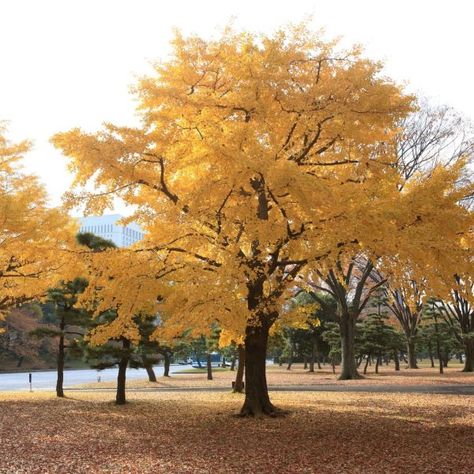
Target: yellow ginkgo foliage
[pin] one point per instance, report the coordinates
(257, 157)
(35, 241)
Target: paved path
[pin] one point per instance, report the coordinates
(451, 389)
(46, 380)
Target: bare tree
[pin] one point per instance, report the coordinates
(459, 314)
(431, 136)
(351, 285)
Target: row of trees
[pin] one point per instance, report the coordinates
(379, 336)
(266, 165)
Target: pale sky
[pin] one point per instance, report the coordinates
(68, 63)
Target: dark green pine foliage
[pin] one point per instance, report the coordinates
(66, 323)
(116, 352)
(311, 341)
(438, 335)
(379, 340)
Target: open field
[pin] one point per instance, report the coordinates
(279, 376)
(197, 433)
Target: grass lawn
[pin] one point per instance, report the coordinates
(196, 432)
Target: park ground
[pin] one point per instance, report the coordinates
(167, 428)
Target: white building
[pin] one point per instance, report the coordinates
(107, 228)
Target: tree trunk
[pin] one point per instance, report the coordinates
(232, 363)
(313, 355)
(411, 354)
(167, 363)
(305, 362)
(257, 402)
(290, 358)
(121, 378)
(209, 366)
(469, 355)
(430, 353)
(377, 364)
(20, 362)
(239, 378)
(366, 363)
(60, 367)
(396, 360)
(149, 369)
(348, 362)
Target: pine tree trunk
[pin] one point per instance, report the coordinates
(239, 378)
(348, 362)
(445, 358)
(377, 364)
(120, 398)
(198, 361)
(60, 366)
(290, 359)
(430, 353)
(232, 363)
(469, 355)
(149, 370)
(305, 362)
(257, 402)
(411, 354)
(396, 360)
(167, 363)
(313, 355)
(209, 366)
(367, 363)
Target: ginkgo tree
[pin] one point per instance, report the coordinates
(256, 158)
(35, 240)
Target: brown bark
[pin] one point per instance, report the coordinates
(396, 360)
(367, 363)
(167, 363)
(149, 370)
(430, 352)
(257, 401)
(209, 366)
(60, 362)
(411, 354)
(377, 364)
(120, 398)
(239, 378)
(313, 355)
(348, 362)
(469, 355)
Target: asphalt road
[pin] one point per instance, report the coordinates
(46, 380)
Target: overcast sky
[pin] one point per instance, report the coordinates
(67, 63)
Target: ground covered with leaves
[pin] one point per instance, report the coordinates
(197, 432)
(280, 376)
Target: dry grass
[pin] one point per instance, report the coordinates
(166, 432)
(298, 376)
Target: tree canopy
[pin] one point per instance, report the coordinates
(260, 159)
